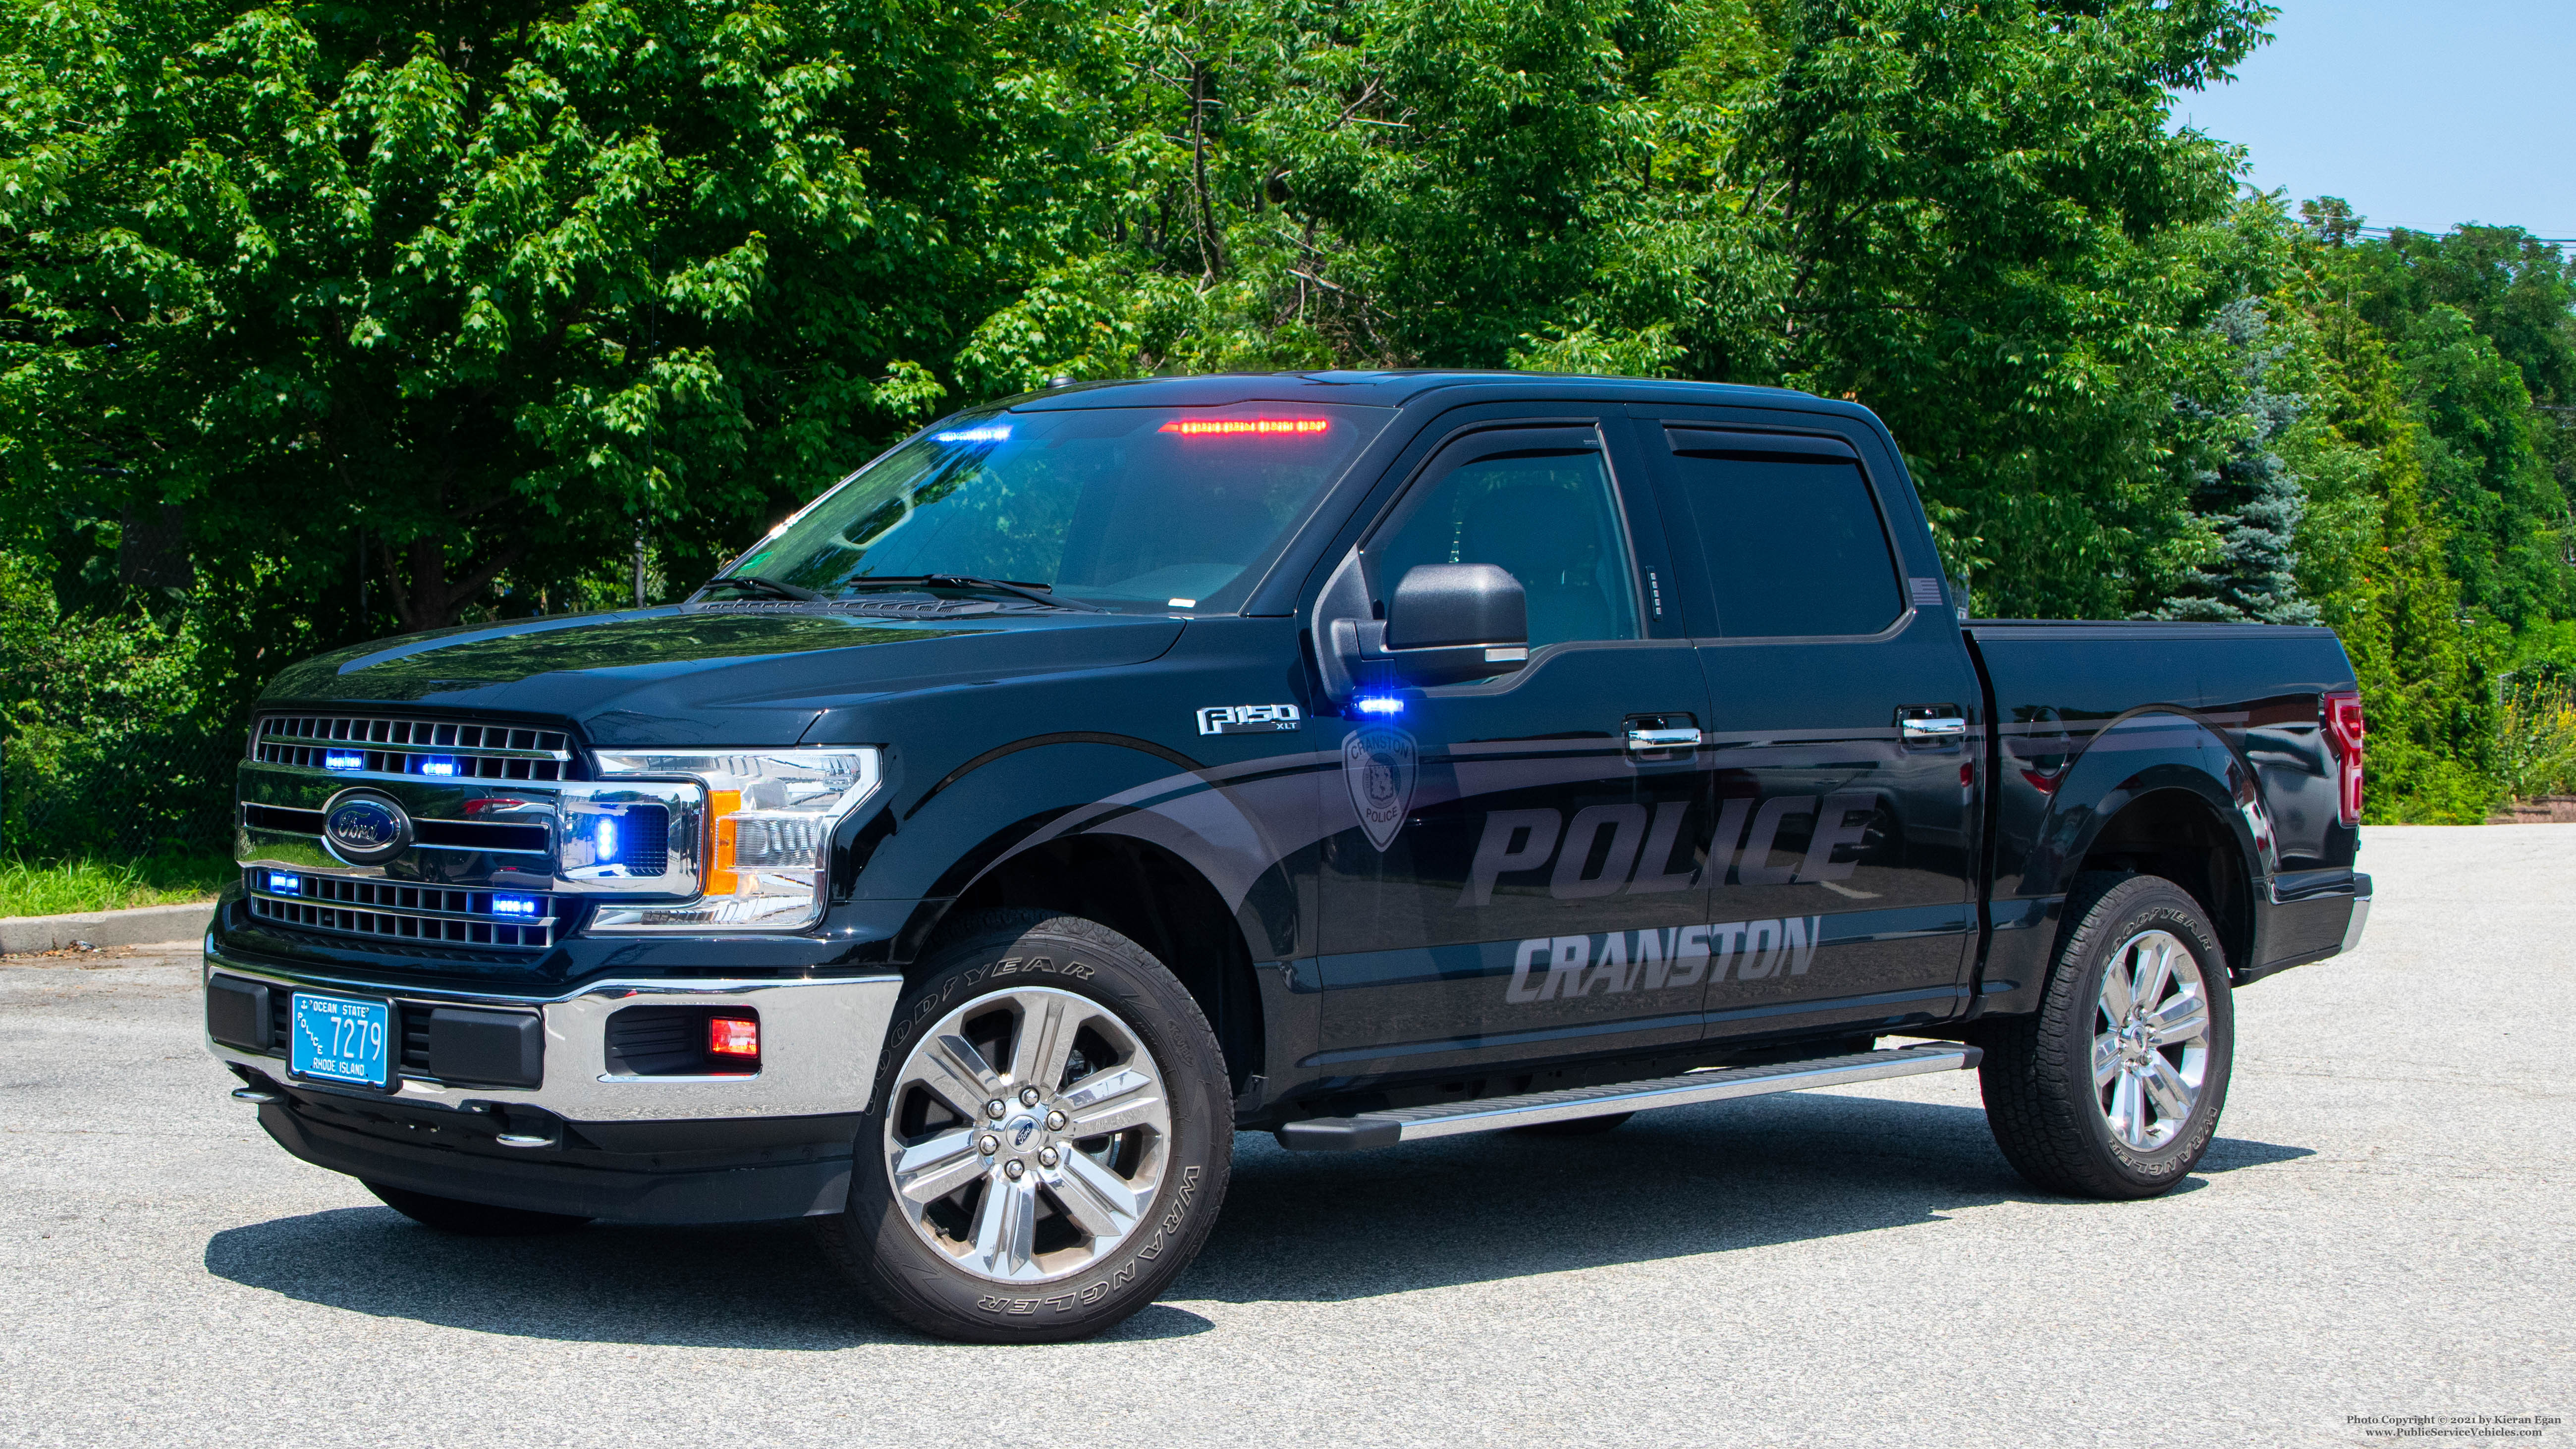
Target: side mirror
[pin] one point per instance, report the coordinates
(1449, 623)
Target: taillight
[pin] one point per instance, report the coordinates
(2344, 731)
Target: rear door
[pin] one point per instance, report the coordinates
(1515, 880)
(1842, 854)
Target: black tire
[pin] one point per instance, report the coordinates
(928, 1285)
(1575, 1127)
(470, 1219)
(2042, 1099)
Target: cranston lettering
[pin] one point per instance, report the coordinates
(1618, 849)
(1568, 968)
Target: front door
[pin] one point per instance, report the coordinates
(1518, 877)
(1842, 858)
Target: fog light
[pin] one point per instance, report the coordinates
(733, 1036)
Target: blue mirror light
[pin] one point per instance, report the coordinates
(1380, 704)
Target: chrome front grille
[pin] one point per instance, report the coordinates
(397, 911)
(434, 749)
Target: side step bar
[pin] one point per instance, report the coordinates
(1714, 1084)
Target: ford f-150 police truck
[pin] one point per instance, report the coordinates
(1361, 757)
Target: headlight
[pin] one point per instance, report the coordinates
(769, 821)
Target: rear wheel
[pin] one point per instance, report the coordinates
(2114, 1089)
(1049, 1140)
(470, 1219)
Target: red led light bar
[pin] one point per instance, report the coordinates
(733, 1036)
(1214, 427)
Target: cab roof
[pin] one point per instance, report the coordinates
(1390, 388)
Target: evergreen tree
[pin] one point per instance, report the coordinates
(2251, 497)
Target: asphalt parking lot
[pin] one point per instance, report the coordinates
(2385, 1227)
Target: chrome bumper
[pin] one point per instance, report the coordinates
(2360, 911)
(818, 1047)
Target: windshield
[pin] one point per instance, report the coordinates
(1164, 508)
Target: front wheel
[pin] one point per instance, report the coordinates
(2113, 1090)
(1049, 1137)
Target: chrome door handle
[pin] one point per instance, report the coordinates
(1670, 739)
(1938, 730)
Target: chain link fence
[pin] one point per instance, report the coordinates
(165, 791)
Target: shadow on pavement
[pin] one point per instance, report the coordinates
(1295, 1227)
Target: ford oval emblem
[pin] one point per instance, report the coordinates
(366, 827)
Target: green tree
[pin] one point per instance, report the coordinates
(494, 284)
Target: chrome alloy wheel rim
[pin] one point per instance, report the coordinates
(2151, 1039)
(1026, 1134)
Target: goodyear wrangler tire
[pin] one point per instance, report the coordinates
(1048, 1140)
(2113, 1090)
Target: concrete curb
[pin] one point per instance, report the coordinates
(142, 926)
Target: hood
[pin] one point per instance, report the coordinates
(728, 673)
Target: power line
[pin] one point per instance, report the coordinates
(2555, 241)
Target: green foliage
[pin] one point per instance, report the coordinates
(108, 748)
(62, 888)
(421, 315)
(2536, 740)
(493, 282)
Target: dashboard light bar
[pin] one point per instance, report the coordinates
(988, 433)
(1235, 427)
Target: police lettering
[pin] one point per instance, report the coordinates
(1569, 968)
(1635, 852)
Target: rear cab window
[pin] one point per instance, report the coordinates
(1782, 534)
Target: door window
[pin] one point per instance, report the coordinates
(1788, 539)
(1541, 507)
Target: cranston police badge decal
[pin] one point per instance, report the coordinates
(1378, 765)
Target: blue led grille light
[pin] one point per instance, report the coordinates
(442, 765)
(1380, 704)
(603, 841)
(280, 883)
(343, 760)
(514, 906)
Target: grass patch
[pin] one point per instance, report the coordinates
(63, 887)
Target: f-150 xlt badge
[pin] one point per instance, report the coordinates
(1378, 765)
(1247, 719)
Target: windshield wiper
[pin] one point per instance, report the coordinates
(753, 583)
(1035, 593)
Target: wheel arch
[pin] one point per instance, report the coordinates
(1146, 857)
(2157, 792)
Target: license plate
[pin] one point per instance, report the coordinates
(335, 1039)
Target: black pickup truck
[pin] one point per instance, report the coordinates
(1360, 757)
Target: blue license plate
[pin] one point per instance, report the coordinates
(335, 1039)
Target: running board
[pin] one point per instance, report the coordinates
(1714, 1084)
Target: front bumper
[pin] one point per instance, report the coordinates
(588, 1139)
